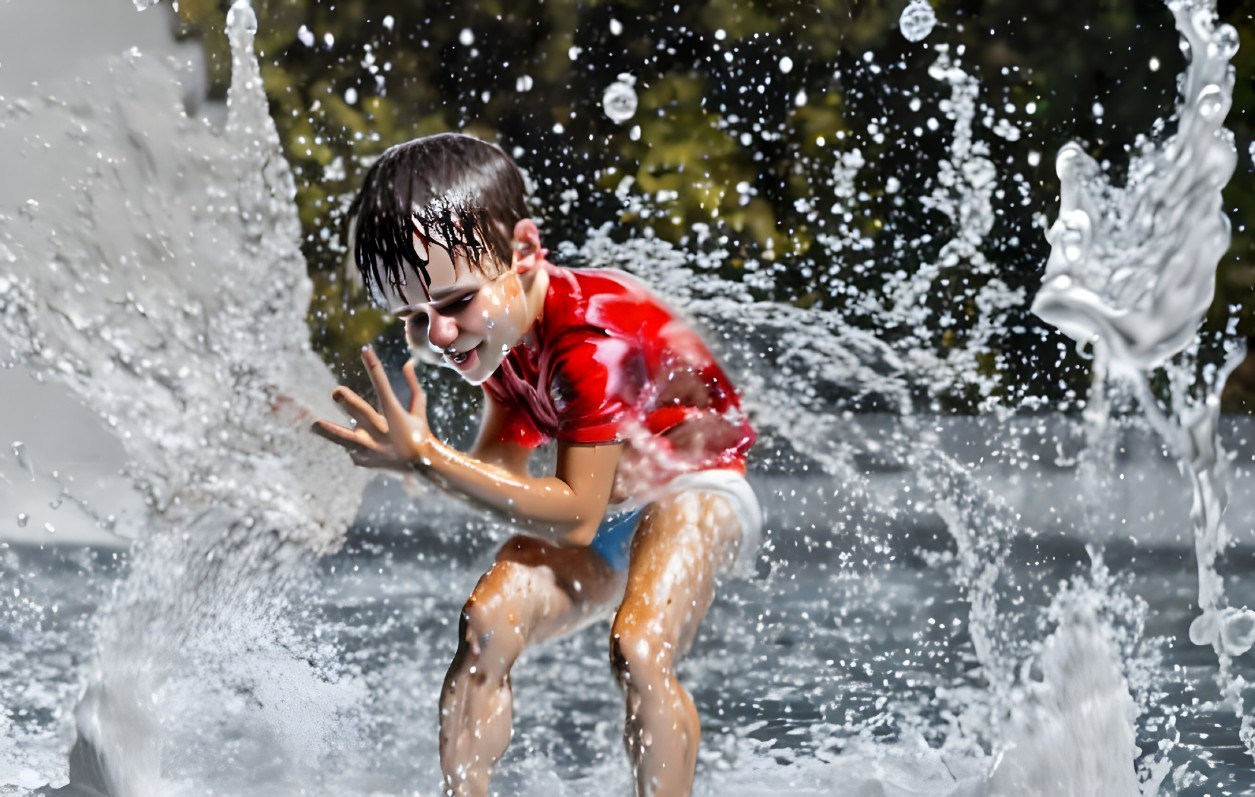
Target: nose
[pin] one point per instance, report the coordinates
(442, 330)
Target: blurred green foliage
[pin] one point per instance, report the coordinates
(717, 111)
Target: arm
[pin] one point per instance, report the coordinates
(567, 507)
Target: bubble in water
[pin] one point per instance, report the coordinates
(917, 20)
(619, 100)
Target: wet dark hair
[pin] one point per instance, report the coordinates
(464, 191)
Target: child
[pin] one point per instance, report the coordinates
(648, 502)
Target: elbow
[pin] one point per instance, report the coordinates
(576, 533)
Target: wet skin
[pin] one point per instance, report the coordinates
(547, 582)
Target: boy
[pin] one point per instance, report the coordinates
(648, 502)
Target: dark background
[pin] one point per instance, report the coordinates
(705, 126)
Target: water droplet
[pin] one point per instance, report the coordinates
(1203, 630)
(1211, 102)
(306, 36)
(350, 96)
(786, 65)
(22, 519)
(1225, 40)
(241, 18)
(48, 527)
(619, 100)
(523, 84)
(917, 21)
(466, 37)
(1238, 631)
(1073, 244)
(616, 27)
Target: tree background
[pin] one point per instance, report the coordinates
(728, 137)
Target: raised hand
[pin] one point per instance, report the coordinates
(392, 437)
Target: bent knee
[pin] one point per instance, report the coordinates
(638, 657)
(492, 613)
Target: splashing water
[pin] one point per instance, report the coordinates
(170, 300)
(208, 382)
(1131, 272)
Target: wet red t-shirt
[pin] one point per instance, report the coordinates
(608, 362)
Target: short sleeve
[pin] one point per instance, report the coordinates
(518, 426)
(595, 382)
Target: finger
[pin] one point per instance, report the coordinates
(359, 410)
(393, 412)
(417, 399)
(354, 440)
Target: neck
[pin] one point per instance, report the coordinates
(535, 286)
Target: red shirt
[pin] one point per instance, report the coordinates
(607, 362)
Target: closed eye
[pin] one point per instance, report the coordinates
(457, 304)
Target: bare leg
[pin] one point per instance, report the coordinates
(535, 591)
(680, 547)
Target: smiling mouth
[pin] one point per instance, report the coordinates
(460, 360)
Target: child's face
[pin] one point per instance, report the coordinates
(465, 320)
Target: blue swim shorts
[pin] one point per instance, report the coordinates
(613, 541)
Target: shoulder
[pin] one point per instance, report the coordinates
(609, 300)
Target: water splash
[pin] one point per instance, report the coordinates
(1131, 267)
(171, 301)
(1072, 729)
(1131, 271)
(174, 311)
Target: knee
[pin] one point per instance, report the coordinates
(489, 627)
(637, 657)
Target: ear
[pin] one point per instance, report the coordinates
(526, 243)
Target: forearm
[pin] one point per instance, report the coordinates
(545, 506)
